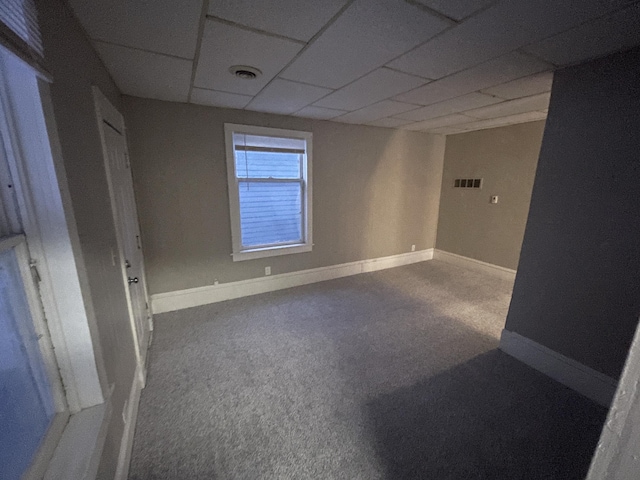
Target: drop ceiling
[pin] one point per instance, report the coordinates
(440, 66)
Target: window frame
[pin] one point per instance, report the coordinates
(240, 253)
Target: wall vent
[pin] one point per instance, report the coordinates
(467, 183)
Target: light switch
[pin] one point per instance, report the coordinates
(494, 199)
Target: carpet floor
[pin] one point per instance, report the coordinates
(387, 375)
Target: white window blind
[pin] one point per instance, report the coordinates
(20, 31)
(269, 187)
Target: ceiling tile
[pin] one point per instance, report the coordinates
(164, 26)
(224, 46)
(319, 113)
(367, 35)
(286, 97)
(498, 30)
(593, 39)
(219, 99)
(299, 19)
(498, 122)
(386, 108)
(523, 87)
(512, 107)
(494, 72)
(377, 85)
(446, 130)
(457, 9)
(455, 119)
(389, 122)
(455, 105)
(145, 74)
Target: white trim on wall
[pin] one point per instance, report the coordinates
(592, 384)
(130, 418)
(617, 455)
(80, 448)
(472, 263)
(47, 217)
(193, 297)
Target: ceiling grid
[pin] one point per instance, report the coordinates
(440, 66)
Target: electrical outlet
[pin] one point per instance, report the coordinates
(413, 248)
(215, 282)
(267, 270)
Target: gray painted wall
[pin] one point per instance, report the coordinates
(375, 192)
(469, 225)
(75, 68)
(577, 290)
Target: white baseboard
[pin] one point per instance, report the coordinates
(193, 297)
(131, 417)
(472, 263)
(592, 384)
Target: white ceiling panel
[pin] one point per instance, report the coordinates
(455, 119)
(523, 87)
(164, 26)
(319, 113)
(299, 19)
(144, 74)
(224, 46)
(286, 97)
(593, 39)
(455, 105)
(446, 130)
(389, 122)
(457, 9)
(386, 108)
(496, 122)
(500, 29)
(367, 35)
(219, 99)
(494, 72)
(377, 85)
(512, 107)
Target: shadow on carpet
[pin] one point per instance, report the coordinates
(489, 418)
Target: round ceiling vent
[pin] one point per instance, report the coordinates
(244, 72)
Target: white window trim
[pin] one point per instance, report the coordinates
(240, 254)
(30, 135)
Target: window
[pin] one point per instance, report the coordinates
(269, 173)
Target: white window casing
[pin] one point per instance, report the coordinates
(269, 174)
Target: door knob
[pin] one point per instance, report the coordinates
(133, 280)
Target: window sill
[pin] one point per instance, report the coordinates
(271, 251)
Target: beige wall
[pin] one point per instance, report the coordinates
(75, 68)
(506, 159)
(375, 192)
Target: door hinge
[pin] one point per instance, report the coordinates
(34, 271)
(138, 242)
(126, 162)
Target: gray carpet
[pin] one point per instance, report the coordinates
(388, 375)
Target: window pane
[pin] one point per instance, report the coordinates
(267, 164)
(270, 213)
(26, 405)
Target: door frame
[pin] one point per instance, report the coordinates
(106, 112)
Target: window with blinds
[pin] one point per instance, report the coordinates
(20, 32)
(269, 190)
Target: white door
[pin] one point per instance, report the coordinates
(126, 218)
